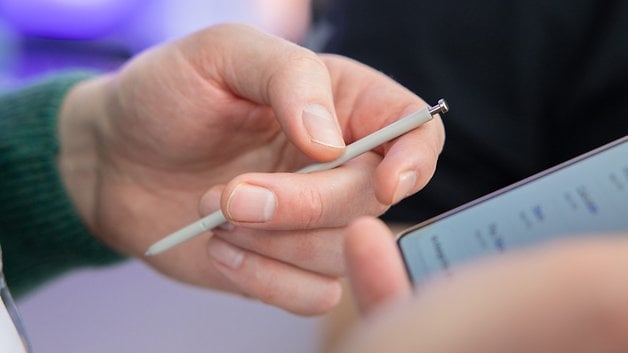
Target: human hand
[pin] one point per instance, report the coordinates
(566, 297)
(208, 118)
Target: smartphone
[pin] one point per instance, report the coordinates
(584, 196)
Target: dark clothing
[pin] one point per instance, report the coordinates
(530, 83)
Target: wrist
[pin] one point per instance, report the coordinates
(78, 158)
(40, 231)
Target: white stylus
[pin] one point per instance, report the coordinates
(355, 149)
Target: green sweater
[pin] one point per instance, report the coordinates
(40, 232)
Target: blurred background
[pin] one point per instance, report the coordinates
(37, 36)
(128, 307)
(531, 83)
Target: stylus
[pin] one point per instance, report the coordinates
(353, 150)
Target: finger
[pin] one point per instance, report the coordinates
(410, 159)
(288, 201)
(268, 70)
(274, 282)
(409, 163)
(566, 298)
(374, 267)
(318, 251)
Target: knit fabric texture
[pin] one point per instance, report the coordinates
(41, 233)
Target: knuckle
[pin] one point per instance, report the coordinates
(265, 288)
(313, 207)
(303, 60)
(225, 28)
(294, 63)
(208, 36)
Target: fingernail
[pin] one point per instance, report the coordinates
(321, 126)
(250, 203)
(405, 185)
(225, 253)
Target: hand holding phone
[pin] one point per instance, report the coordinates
(570, 297)
(567, 297)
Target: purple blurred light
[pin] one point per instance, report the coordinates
(69, 19)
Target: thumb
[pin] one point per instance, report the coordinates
(268, 70)
(374, 267)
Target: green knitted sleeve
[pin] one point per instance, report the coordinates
(40, 232)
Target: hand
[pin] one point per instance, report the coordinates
(566, 297)
(202, 123)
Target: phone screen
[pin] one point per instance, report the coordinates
(586, 195)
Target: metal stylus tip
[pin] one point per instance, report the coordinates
(441, 107)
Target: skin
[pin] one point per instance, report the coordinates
(570, 296)
(184, 128)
